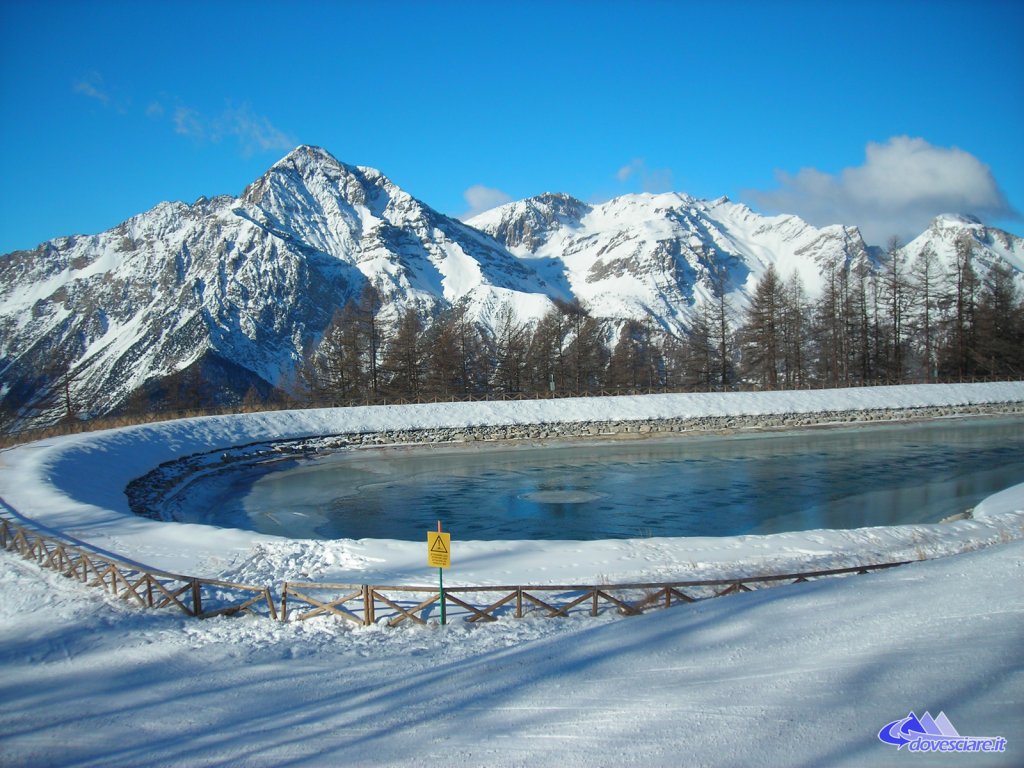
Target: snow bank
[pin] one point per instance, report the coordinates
(806, 675)
(75, 485)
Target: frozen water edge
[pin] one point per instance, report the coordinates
(75, 485)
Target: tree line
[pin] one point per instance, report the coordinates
(906, 321)
(898, 321)
(903, 321)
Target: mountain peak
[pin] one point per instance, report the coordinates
(309, 173)
(306, 155)
(528, 223)
(560, 206)
(309, 162)
(956, 220)
(558, 199)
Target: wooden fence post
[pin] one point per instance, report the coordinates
(369, 617)
(269, 597)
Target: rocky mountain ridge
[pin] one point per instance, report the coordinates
(233, 290)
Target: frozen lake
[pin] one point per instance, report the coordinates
(686, 486)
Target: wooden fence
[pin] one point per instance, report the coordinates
(132, 582)
(366, 604)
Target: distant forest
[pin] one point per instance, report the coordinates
(902, 322)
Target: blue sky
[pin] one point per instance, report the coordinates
(875, 114)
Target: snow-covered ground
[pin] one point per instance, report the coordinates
(801, 675)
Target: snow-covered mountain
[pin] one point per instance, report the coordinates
(233, 289)
(661, 255)
(989, 247)
(238, 286)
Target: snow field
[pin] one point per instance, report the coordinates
(805, 675)
(802, 675)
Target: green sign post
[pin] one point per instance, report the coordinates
(439, 555)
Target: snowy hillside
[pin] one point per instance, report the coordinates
(238, 286)
(658, 255)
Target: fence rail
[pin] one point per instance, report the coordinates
(132, 582)
(367, 604)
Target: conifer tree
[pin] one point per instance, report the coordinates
(586, 352)
(701, 368)
(511, 344)
(956, 358)
(442, 367)
(999, 340)
(673, 355)
(896, 295)
(547, 364)
(453, 355)
(761, 350)
(795, 332)
(924, 302)
(831, 326)
(404, 359)
(369, 307)
(332, 371)
(634, 361)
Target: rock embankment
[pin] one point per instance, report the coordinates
(709, 424)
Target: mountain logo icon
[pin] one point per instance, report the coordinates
(935, 734)
(912, 728)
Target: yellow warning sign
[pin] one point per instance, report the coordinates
(439, 549)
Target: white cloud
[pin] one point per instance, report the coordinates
(92, 86)
(902, 185)
(652, 180)
(188, 122)
(254, 132)
(480, 198)
(626, 171)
